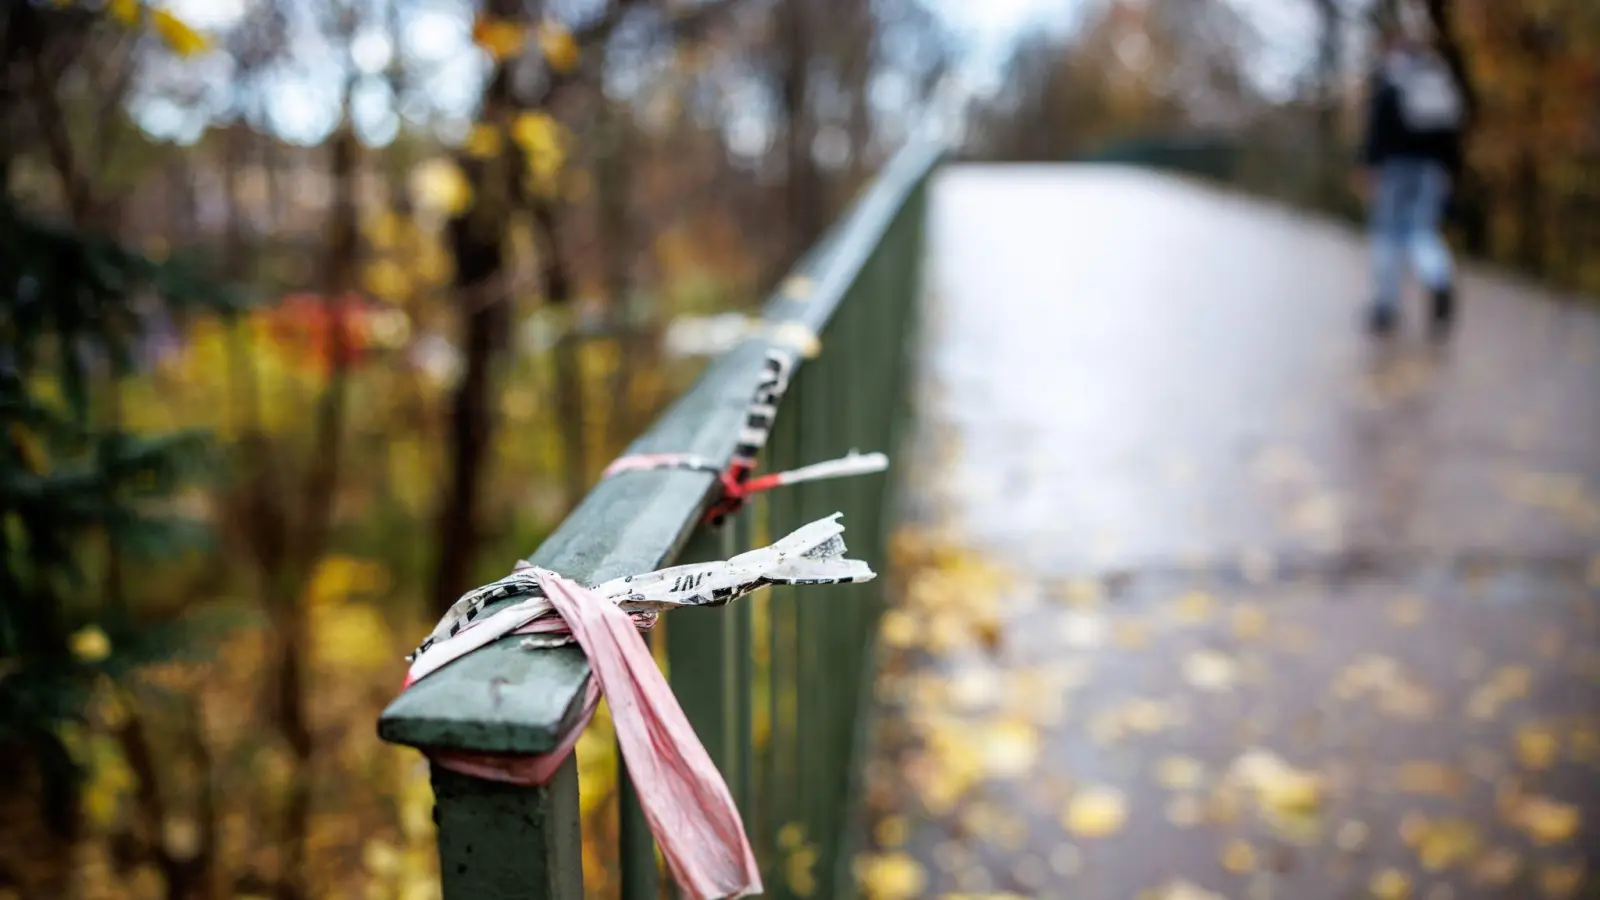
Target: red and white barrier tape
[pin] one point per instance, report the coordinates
(684, 799)
(736, 481)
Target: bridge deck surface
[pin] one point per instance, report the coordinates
(1211, 595)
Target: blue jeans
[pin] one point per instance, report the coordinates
(1407, 206)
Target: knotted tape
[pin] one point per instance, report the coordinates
(735, 483)
(685, 801)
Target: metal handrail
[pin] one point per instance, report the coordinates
(509, 700)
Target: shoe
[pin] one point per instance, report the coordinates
(1382, 320)
(1444, 310)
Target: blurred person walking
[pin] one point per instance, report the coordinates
(1410, 157)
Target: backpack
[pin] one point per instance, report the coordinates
(1427, 95)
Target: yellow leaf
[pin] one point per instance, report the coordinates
(540, 138)
(1561, 882)
(891, 831)
(1446, 843)
(483, 141)
(1010, 749)
(177, 34)
(351, 636)
(385, 279)
(1096, 812)
(1429, 779)
(1536, 747)
(1497, 868)
(499, 38)
(1249, 622)
(1238, 857)
(1194, 607)
(90, 644)
(1209, 670)
(338, 577)
(1547, 821)
(891, 876)
(1390, 884)
(440, 185)
(1180, 773)
(557, 45)
(124, 11)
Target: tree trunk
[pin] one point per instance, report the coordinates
(802, 189)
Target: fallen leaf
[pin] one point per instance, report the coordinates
(891, 832)
(1238, 857)
(1249, 622)
(1178, 773)
(898, 629)
(1497, 868)
(891, 876)
(1390, 884)
(1096, 812)
(1584, 744)
(1147, 716)
(1278, 785)
(1194, 607)
(1560, 882)
(1432, 779)
(1508, 683)
(1447, 842)
(1208, 670)
(1537, 746)
(1545, 820)
(1081, 592)
(975, 687)
(1011, 748)
(1183, 890)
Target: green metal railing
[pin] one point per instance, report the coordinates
(775, 684)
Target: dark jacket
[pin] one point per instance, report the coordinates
(1388, 137)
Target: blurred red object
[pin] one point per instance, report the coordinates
(321, 331)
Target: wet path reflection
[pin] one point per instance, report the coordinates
(1207, 595)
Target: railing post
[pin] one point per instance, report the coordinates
(506, 842)
(640, 878)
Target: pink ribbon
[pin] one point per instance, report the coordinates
(685, 801)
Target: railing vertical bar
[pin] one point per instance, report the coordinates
(505, 840)
(813, 612)
(742, 671)
(782, 739)
(641, 879)
(696, 648)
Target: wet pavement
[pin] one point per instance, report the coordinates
(1208, 595)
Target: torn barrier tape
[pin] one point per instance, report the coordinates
(735, 479)
(685, 800)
